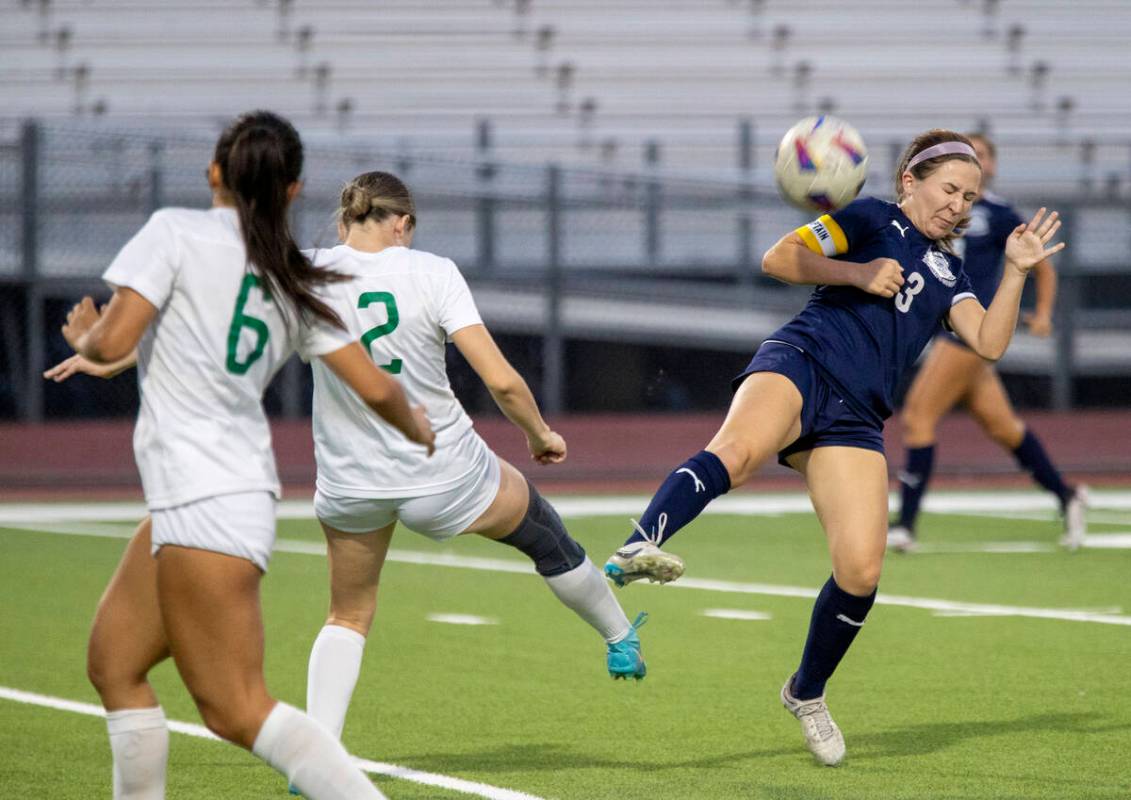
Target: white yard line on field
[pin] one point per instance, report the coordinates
(47, 518)
(441, 559)
(199, 731)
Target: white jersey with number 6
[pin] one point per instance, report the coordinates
(403, 305)
(205, 360)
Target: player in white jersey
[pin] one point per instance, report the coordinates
(214, 302)
(404, 305)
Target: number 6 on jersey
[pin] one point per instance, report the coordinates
(371, 335)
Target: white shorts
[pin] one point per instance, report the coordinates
(438, 516)
(241, 525)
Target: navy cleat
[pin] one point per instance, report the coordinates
(624, 659)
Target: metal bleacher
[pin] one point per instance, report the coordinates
(662, 114)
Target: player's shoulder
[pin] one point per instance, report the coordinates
(428, 262)
(871, 210)
(189, 219)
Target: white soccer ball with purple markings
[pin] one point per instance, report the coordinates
(821, 164)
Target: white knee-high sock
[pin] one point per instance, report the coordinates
(585, 590)
(314, 762)
(139, 742)
(335, 663)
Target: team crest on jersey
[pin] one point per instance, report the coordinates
(940, 268)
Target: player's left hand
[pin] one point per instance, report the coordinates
(1038, 324)
(80, 320)
(1028, 245)
(78, 365)
(549, 448)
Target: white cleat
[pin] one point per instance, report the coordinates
(1075, 519)
(642, 560)
(901, 540)
(823, 737)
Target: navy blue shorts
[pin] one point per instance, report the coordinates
(826, 419)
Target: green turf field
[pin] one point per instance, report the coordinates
(944, 700)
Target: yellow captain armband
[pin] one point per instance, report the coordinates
(824, 236)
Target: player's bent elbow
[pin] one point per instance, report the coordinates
(991, 353)
(103, 349)
(772, 264)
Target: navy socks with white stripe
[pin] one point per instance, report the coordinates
(837, 617)
(913, 482)
(1031, 455)
(682, 496)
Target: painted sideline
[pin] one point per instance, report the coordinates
(199, 731)
(988, 503)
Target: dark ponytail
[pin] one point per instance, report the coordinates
(260, 157)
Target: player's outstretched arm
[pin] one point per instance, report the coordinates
(510, 392)
(381, 393)
(791, 261)
(78, 365)
(988, 331)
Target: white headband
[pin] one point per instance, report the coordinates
(944, 149)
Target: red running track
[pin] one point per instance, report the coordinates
(607, 453)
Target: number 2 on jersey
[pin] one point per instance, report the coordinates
(907, 294)
(394, 319)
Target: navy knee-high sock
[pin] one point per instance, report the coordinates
(682, 496)
(913, 482)
(1032, 457)
(837, 618)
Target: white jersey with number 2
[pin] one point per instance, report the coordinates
(207, 357)
(403, 305)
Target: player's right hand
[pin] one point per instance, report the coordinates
(882, 276)
(424, 433)
(549, 448)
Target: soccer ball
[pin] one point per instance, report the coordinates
(821, 164)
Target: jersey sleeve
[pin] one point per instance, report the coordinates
(148, 263)
(963, 290)
(837, 233)
(457, 307)
(315, 336)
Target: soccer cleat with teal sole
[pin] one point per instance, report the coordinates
(624, 659)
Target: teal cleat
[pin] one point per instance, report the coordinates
(624, 659)
(292, 790)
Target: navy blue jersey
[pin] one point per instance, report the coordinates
(863, 342)
(982, 247)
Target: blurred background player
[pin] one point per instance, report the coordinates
(952, 373)
(214, 302)
(404, 305)
(818, 389)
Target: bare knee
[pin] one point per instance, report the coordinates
(918, 427)
(860, 577)
(1007, 432)
(114, 678)
(740, 461)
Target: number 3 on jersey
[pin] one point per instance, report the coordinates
(371, 335)
(907, 294)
